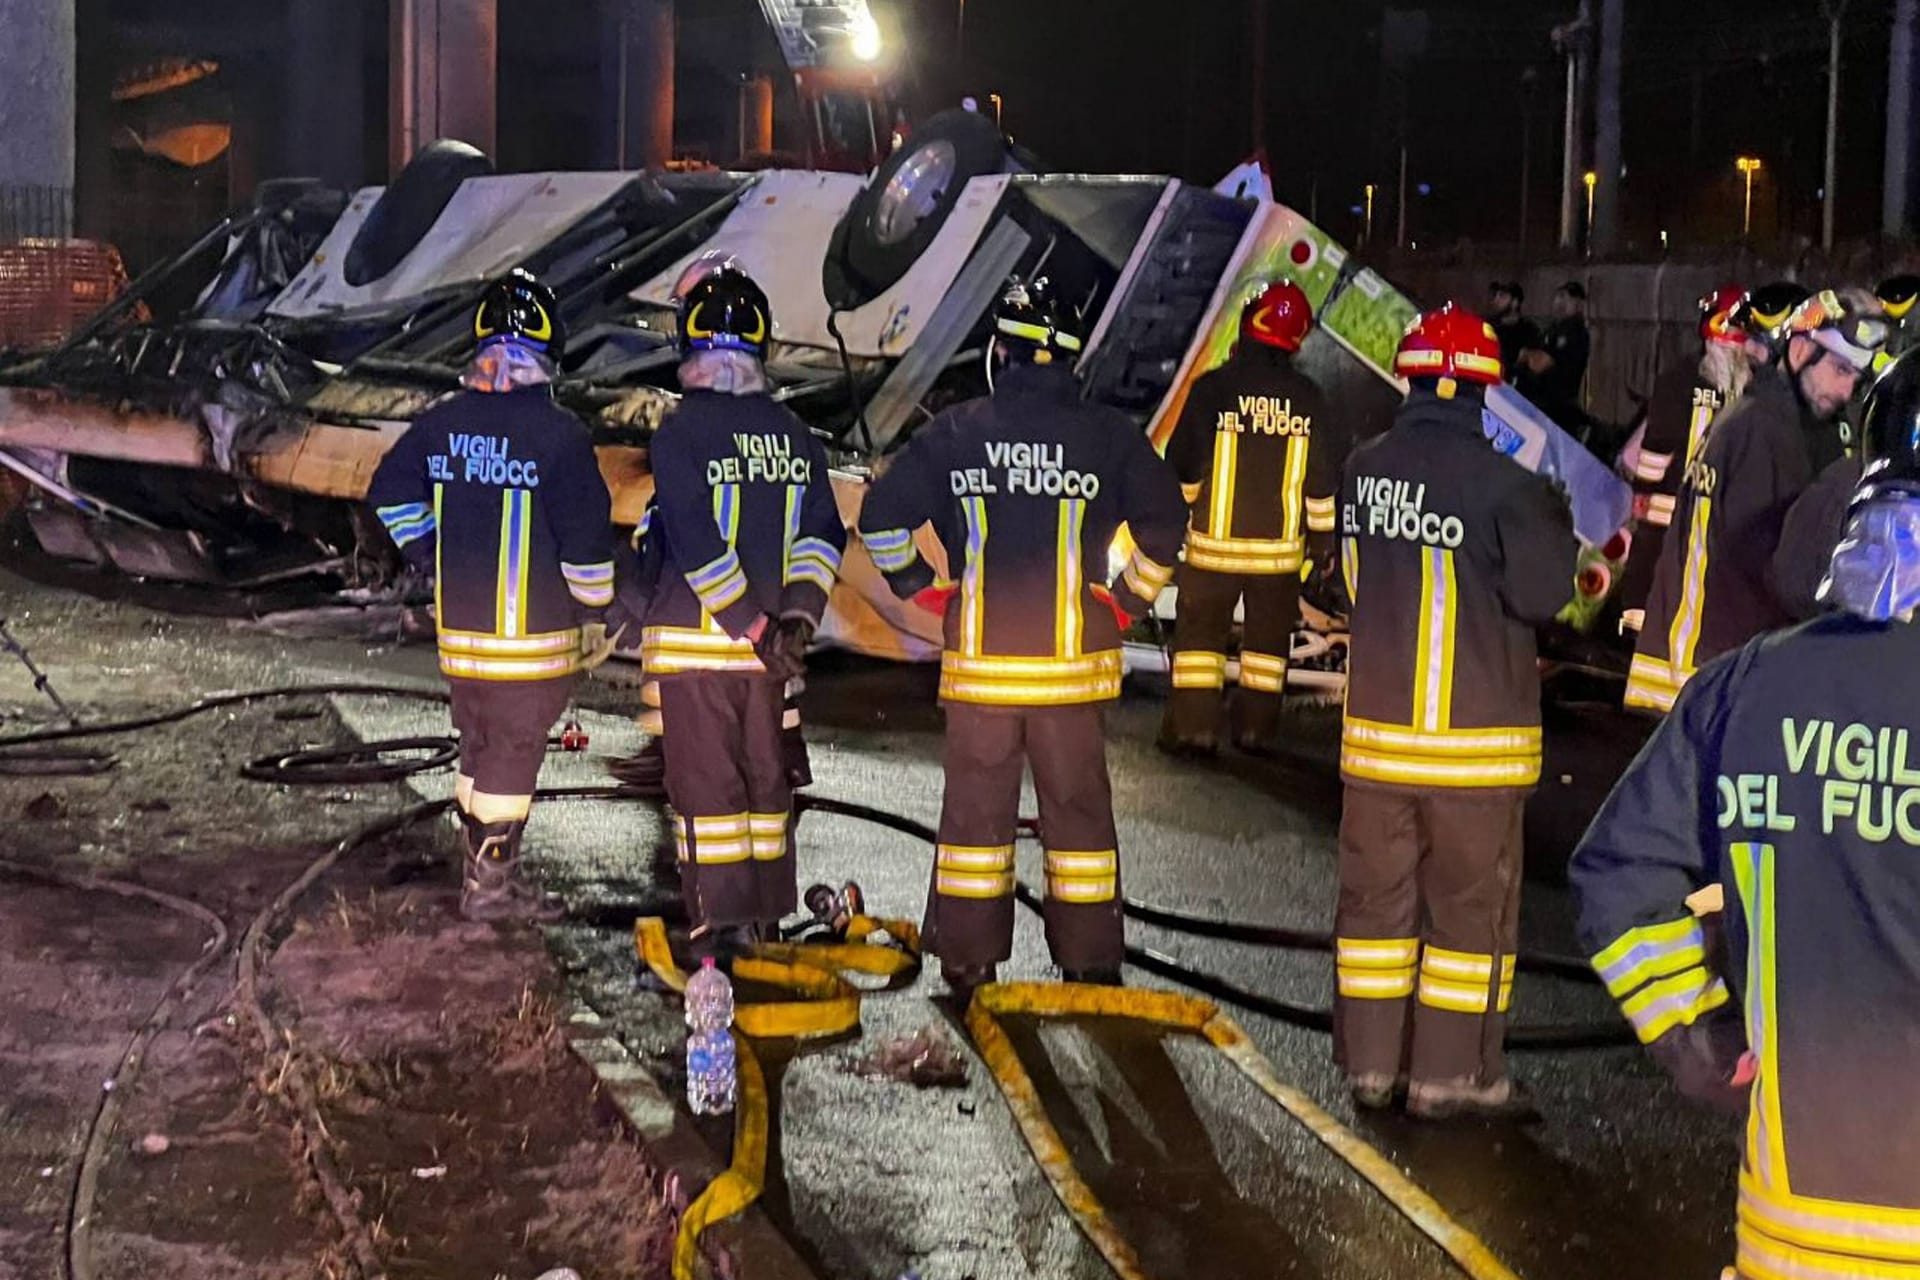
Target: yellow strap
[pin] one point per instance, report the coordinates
(1203, 1018)
(1048, 1150)
(829, 1006)
(742, 1182)
(1421, 1209)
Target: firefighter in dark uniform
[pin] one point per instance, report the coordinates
(1785, 798)
(1897, 295)
(748, 541)
(1453, 556)
(1716, 585)
(647, 767)
(1026, 489)
(1259, 460)
(496, 491)
(1683, 405)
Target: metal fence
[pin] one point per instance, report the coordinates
(1643, 318)
(31, 212)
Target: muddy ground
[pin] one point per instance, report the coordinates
(473, 1142)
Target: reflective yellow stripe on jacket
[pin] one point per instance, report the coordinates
(1030, 682)
(1216, 549)
(1651, 684)
(477, 655)
(1263, 556)
(1683, 640)
(1431, 751)
(666, 651)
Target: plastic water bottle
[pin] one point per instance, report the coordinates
(710, 1061)
(709, 999)
(710, 1073)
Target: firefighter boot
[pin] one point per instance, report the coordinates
(1100, 977)
(963, 978)
(1468, 1099)
(491, 885)
(1374, 1090)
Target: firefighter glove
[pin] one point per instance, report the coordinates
(1704, 1059)
(782, 647)
(597, 644)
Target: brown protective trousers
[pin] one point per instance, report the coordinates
(733, 803)
(970, 907)
(1427, 929)
(1201, 631)
(504, 726)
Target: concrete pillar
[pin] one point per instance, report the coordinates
(36, 118)
(324, 122)
(442, 75)
(93, 119)
(1897, 184)
(1605, 232)
(636, 74)
(756, 116)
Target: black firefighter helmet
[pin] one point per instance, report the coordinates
(1898, 294)
(1032, 325)
(1763, 314)
(518, 308)
(1893, 430)
(725, 311)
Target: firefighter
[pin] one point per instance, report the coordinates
(497, 493)
(1259, 461)
(1026, 490)
(1683, 404)
(1716, 585)
(1785, 798)
(1453, 555)
(748, 542)
(1897, 294)
(647, 767)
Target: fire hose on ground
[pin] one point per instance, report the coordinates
(826, 1005)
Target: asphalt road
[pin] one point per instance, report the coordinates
(1203, 1175)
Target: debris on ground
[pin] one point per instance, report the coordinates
(926, 1059)
(45, 807)
(449, 1104)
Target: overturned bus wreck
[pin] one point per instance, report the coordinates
(219, 421)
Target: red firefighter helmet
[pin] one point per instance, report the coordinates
(1450, 343)
(1716, 316)
(1279, 316)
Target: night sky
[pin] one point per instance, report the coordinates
(1130, 85)
(1127, 85)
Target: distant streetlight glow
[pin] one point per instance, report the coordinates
(1748, 166)
(863, 38)
(1367, 236)
(1592, 179)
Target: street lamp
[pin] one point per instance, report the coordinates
(1591, 179)
(1748, 166)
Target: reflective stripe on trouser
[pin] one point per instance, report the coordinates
(1790, 1237)
(1204, 625)
(970, 904)
(503, 728)
(733, 808)
(1451, 859)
